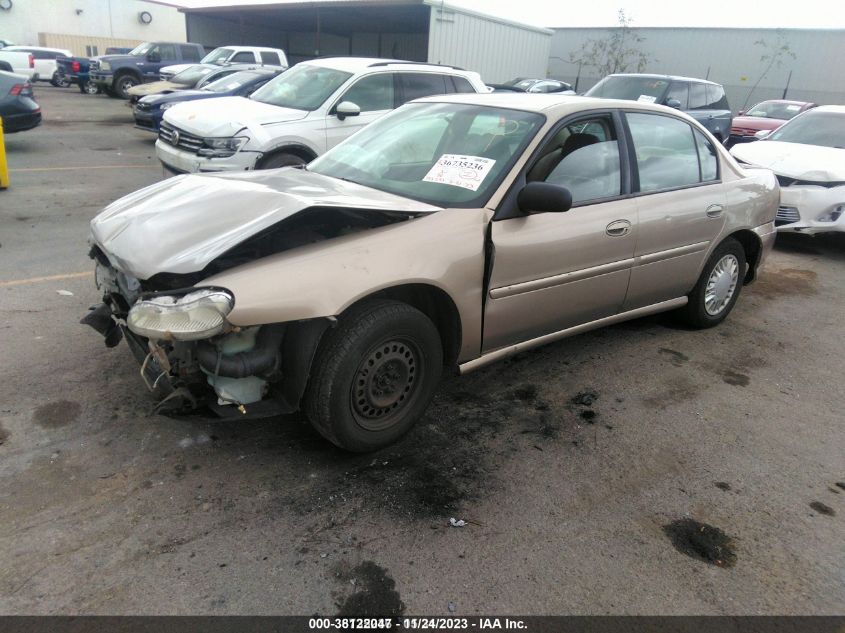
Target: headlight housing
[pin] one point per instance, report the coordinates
(832, 215)
(166, 106)
(197, 315)
(222, 147)
(105, 66)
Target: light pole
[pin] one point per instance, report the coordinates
(567, 61)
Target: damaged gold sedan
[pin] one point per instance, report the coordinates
(451, 233)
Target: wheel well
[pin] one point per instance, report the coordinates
(437, 305)
(752, 246)
(297, 150)
(127, 71)
(6, 66)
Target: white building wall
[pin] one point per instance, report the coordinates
(497, 49)
(726, 56)
(110, 19)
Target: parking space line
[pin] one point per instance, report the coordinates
(23, 169)
(35, 280)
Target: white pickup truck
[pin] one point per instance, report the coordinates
(19, 63)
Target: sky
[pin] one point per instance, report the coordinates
(712, 13)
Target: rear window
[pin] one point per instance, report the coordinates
(630, 88)
(462, 84)
(716, 99)
(190, 53)
(416, 85)
(269, 57)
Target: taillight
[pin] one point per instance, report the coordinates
(17, 89)
(31, 61)
(75, 67)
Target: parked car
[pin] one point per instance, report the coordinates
(767, 115)
(75, 70)
(149, 111)
(223, 55)
(188, 78)
(116, 74)
(45, 62)
(18, 108)
(524, 84)
(298, 115)
(807, 154)
(346, 287)
(703, 100)
(19, 63)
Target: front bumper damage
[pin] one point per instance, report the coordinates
(811, 209)
(236, 374)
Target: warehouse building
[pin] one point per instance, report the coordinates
(88, 27)
(731, 57)
(414, 30)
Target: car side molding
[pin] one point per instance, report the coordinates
(510, 350)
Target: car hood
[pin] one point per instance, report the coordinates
(757, 123)
(181, 224)
(795, 160)
(155, 87)
(224, 116)
(178, 96)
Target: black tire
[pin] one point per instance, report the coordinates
(281, 159)
(89, 88)
(700, 313)
(59, 81)
(374, 375)
(122, 83)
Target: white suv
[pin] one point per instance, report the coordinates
(300, 114)
(234, 55)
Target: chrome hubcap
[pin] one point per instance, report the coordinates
(721, 285)
(384, 384)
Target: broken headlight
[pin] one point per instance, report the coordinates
(222, 147)
(833, 214)
(196, 315)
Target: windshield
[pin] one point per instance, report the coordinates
(775, 110)
(630, 88)
(142, 49)
(190, 76)
(303, 87)
(217, 56)
(826, 129)
(233, 82)
(445, 154)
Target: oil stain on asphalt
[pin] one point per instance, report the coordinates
(375, 593)
(735, 378)
(56, 414)
(701, 541)
(823, 508)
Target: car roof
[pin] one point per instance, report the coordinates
(838, 109)
(554, 104)
(789, 101)
(669, 77)
(36, 48)
(357, 64)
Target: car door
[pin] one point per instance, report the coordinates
(374, 94)
(680, 205)
(553, 271)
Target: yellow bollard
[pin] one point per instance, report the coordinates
(4, 167)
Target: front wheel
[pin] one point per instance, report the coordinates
(122, 85)
(280, 159)
(89, 88)
(718, 288)
(60, 81)
(374, 375)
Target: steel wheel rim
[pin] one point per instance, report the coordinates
(721, 284)
(126, 84)
(384, 384)
(90, 87)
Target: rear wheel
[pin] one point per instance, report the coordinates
(123, 83)
(374, 375)
(281, 159)
(718, 288)
(89, 88)
(59, 80)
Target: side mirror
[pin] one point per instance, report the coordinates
(741, 113)
(673, 103)
(762, 134)
(153, 57)
(543, 197)
(347, 108)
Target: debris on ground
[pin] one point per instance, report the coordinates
(585, 398)
(701, 541)
(457, 522)
(64, 293)
(451, 606)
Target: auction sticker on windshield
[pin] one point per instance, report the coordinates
(647, 99)
(460, 171)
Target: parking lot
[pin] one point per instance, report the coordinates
(567, 463)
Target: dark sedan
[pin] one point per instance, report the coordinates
(150, 109)
(526, 84)
(18, 108)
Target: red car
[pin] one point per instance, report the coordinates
(767, 115)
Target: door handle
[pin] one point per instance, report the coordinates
(618, 228)
(714, 210)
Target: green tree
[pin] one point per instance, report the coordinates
(618, 52)
(774, 54)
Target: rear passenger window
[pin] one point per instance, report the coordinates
(462, 85)
(269, 57)
(666, 151)
(244, 57)
(680, 92)
(716, 99)
(707, 157)
(418, 85)
(189, 54)
(372, 93)
(167, 51)
(697, 96)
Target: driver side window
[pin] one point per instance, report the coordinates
(372, 93)
(583, 157)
